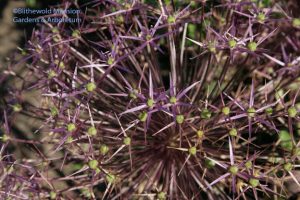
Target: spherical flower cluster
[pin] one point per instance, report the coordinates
(160, 100)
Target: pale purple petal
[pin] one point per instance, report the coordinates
(231, 152)
(219, 179)
(186, 90)
(134, 109)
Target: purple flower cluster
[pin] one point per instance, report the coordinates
(158, 100)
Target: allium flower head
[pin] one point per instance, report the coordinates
(159, 100)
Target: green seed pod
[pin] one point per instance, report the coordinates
(296, 151)
(71, 127)
(150, 103)
(54, 111)
(279, 94)
(252, 46)
(200, 133)
(233, 132)
(193, 4)
(274, 160)
(211, 47)
(69, 139)
(285, 140)
(90, 87)
(60, 64)
(120, 19)
(4, 138)
(54, 30)
(51, 74)
(132, 95)
(98, 170)
(191, 31)
(56, 38)
(292, 111)
(248, 164)
(93, 164)
(92, 131)
(127, 6)
(179, 119)
(226, 110)
(161, 196)
(232, 43)
(254, 182)
(296, 22)
(261, 17)
(167, 2)
(251, 112)
(127, 141)
(110, 178)
(269, 111)
(288, 167)
(104, 149)
(233, 170)
(171, 19)
(209, 163)
(52, 195)
(110, 61)
(31, 3)
(17, 107)
(148, 37)
(192, 151)
(143, 116)
(23, 52)
(76, 166)
(76, 34)
(86, 193)
(205, 114)
(173, 100)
